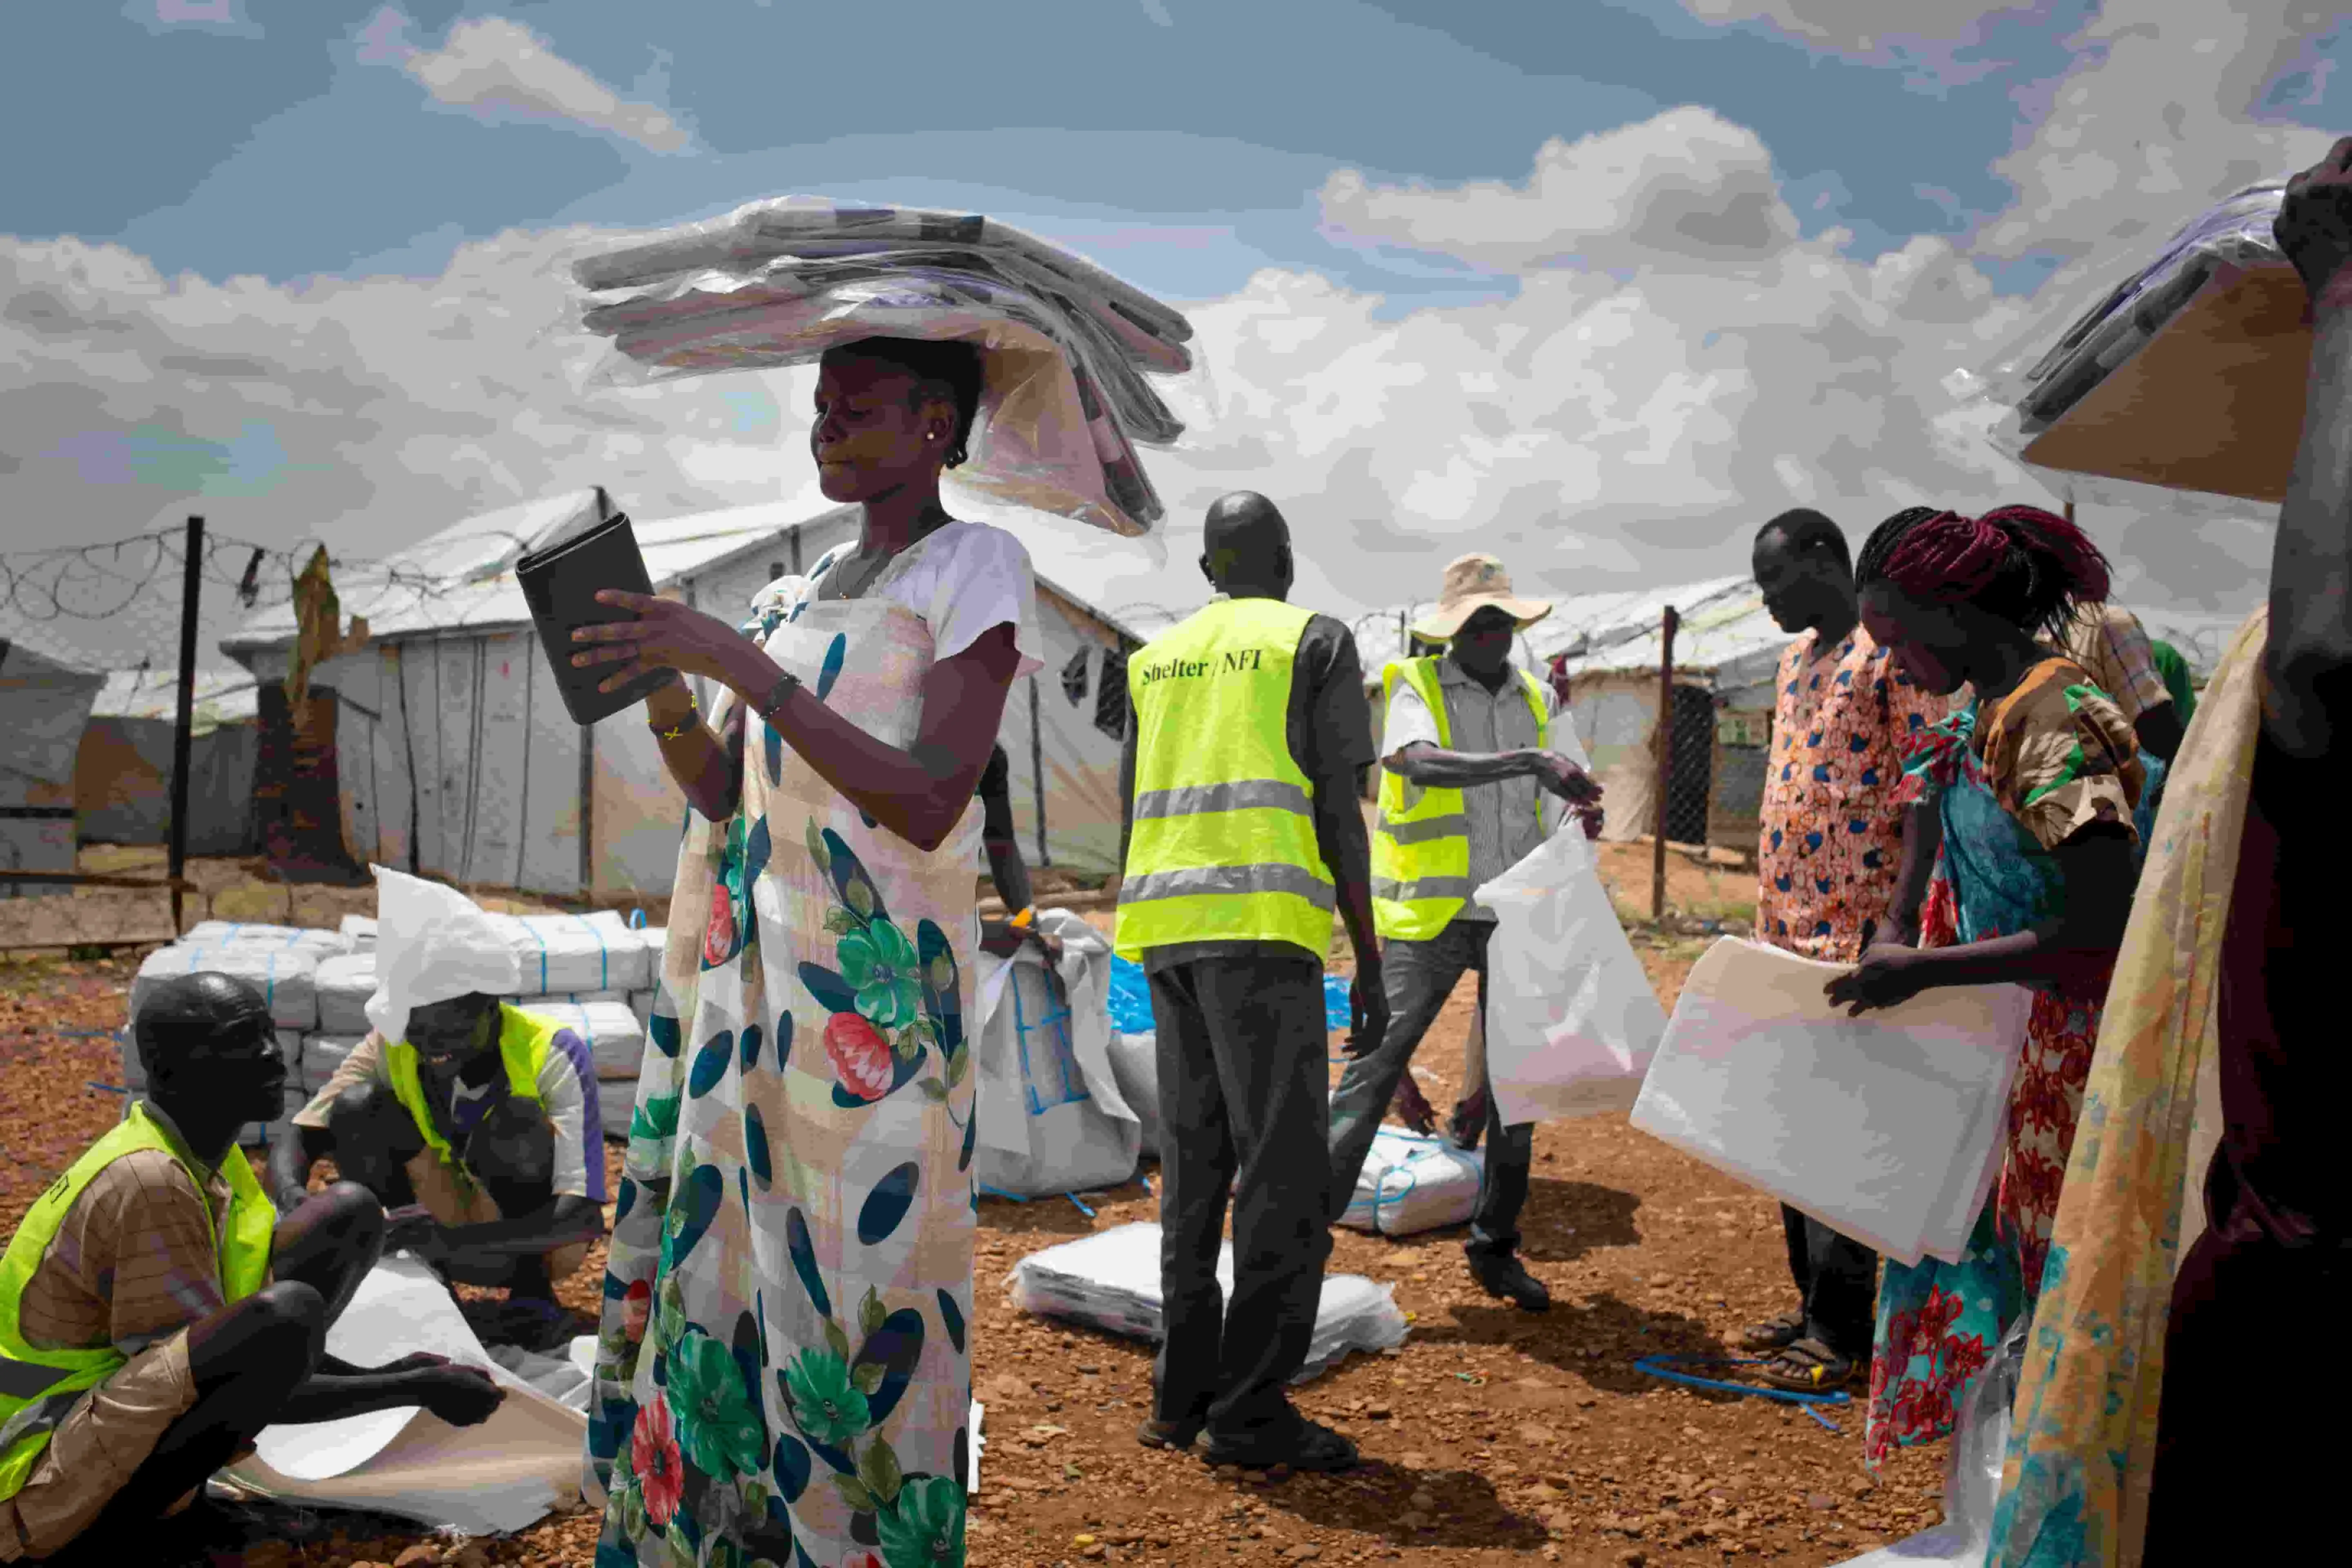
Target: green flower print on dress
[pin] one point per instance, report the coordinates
(923, 1527)
(881, 967)
(719, 1427)
(830, 1408)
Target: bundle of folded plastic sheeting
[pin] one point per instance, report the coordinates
(1065, 346)
(359, 931)
(1111, 1281)
(2187, 374)
(287, 975)
(616, 1041)
(224, 933)
(563, 954)
(322, 1055)
(1410, 1184)
(345, 984)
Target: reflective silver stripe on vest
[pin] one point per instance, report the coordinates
(1228, 882)
(1453, 826)
(27, 1379)
(1199, 800)
(1426, 888)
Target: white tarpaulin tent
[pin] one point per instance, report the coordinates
(455, 756)
(1064, 729)
(46, 687)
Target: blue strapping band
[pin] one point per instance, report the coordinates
(533, 931)
(1805, 1401)
(604, 953)
(994, 1193)
(1081, 1207)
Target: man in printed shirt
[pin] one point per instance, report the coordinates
(474, 1124)
(1831, 854)
(155, 1312)
(2109, 641)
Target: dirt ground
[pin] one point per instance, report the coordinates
(1490, 1436)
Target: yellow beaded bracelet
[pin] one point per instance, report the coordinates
(693, 708)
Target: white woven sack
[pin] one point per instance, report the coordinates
(1135, 1064)
(1410, 1184)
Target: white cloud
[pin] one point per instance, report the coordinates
(1687, 186)
(1859, 27)
(491, 64)
(226, 17)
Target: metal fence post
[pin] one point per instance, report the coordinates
(1665, 764)
(183, 739)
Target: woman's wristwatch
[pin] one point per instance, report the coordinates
(778, 695)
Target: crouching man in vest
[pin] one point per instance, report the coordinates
(156, 1312)
(1242, 834)
(1473, 745)
(474, 1123)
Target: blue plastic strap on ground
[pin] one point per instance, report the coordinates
(1011, 1197)
(106, 1087)
(1805, 1401)
(1079, 1207)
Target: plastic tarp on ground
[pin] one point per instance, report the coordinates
(1886, 1128)
(1571, 1019)
(1110, 1280)
(502, 1476)
(1410, 1184)
(1051, 1117)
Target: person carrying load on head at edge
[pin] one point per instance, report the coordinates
(1242, 834)
(1475, 744)
(474, 1121)
(156, 1313)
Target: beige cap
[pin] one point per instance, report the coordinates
(1473, 582)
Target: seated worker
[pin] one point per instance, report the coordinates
(156, 1313)
(1007, 871)
(474, 1122)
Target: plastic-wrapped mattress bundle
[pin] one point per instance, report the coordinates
(615, 1040)
(359, 931)
(345, 984)
(287, 975)
(1065, 346)
(2187, 374)
(322, 1055)
(1410, 1184)
(562, 954)
(1111, 1281)
(223, 934)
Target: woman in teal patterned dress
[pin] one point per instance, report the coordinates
(784, 1374)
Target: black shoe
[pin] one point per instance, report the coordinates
(1301, 1444)
(1158, 1433)
(1506, 1278)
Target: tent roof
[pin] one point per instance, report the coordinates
(39, 647)
(462, 578)
(1083, 603)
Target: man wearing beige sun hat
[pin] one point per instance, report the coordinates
(1472, 746)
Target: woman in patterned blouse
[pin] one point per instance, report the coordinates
(2034, 784)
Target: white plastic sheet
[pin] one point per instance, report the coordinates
(286, 975)
(1571, 1020)
(1052, 1118)
(433, 944)
(221, 933)
(1886, 1128)
(1134, 1065)
(504, 1475)
(1409, 1185)
(359, 932)
(1111, 1281)
(576, 952)
(1972, 1471)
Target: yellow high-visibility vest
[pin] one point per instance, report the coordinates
(524, 1040)
(30, 1373)
(1223, 846)
(1421, 843)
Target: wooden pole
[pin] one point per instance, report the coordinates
(182, 737)
(1037, 770)
(1665, 764)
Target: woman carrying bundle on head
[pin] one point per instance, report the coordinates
(784, 1370)
(2035, 783)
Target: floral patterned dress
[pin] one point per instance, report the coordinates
(2052, 757)
(782, 1375)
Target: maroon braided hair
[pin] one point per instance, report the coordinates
(2030, 567)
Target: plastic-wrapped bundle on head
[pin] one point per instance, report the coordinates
(433, 944)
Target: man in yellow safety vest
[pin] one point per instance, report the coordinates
(474, 1123)
(156, 1312)
(1242, 835)
(1473, 745)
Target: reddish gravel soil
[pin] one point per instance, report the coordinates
(1489, 1436)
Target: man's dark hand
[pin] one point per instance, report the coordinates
(1413, 1107)
(461, 1395)
(1565, 780)
(1591, 819)
(2315, 224)
(1368, 1012)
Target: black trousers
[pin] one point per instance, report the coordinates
(1837, 1279)
(511, 1152)
(1242, 1087)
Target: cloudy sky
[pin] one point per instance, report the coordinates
(1595, 287)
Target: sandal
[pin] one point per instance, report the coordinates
(1810, 1366)
(1775, 1333)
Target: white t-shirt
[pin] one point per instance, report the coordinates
(964, 580)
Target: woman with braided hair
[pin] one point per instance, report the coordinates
(2034, 784)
